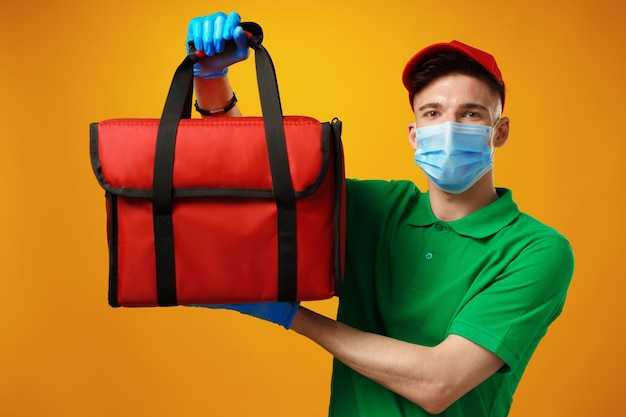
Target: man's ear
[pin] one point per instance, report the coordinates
(502, 132)
(412, 135)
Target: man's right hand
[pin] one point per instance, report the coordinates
(281, 313)
(211, 35)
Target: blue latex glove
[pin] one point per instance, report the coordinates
(210, 34)
(280, 313)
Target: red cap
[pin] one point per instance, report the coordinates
(487, 61)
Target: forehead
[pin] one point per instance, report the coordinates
(456, 90)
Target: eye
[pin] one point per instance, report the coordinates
(472, 115)
(430, 114)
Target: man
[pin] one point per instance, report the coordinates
(447, 293)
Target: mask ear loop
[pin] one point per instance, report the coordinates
(494, 131)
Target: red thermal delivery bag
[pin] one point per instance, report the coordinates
(221, 210)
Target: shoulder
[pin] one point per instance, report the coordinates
(529, 231)
(372, 203)
(544, 255)
(536, 231)
(547, 237)
(372, 191)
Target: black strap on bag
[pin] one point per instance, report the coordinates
(178, 106)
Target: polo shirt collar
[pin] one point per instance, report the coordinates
(480, 224)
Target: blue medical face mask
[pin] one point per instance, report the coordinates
(454, 155)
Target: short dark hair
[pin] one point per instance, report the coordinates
(452, 63)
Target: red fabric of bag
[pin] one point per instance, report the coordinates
(223, 213)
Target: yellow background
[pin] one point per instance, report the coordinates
(64, 352)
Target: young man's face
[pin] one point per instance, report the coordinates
(462, 99)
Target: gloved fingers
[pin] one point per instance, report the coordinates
(240, 38)
(209, 23)
(198, 26)
(194, 33)
(217, 33)
(210, 33)
(202, 31)
(281, 313)
(231, 24)
(223, 31)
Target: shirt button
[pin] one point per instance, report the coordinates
(429, 256)
(439, 227)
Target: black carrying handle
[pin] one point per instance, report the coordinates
(177, 107)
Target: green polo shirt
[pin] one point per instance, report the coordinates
(497, 277)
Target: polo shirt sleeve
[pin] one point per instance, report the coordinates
(509, 313)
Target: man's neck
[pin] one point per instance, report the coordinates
(450, 207)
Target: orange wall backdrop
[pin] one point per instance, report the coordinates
(64, 352)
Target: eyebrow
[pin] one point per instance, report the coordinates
(473, 106)
(430, 106)
(467, 106)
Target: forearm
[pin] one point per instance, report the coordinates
(387, 361)
(215, 93)
(431, 377)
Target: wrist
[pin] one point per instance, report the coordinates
(197, 72)
(215, 93)
(290, 314)
(219, 111)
